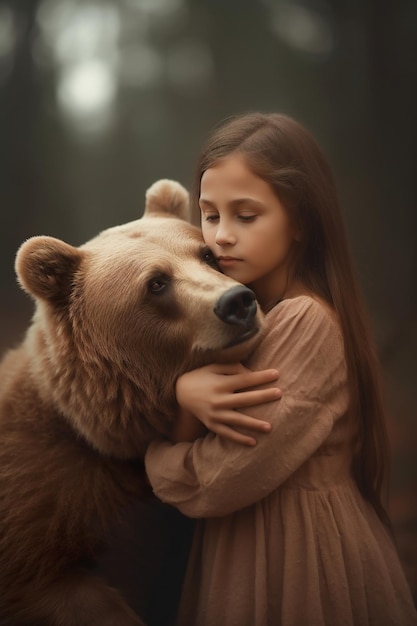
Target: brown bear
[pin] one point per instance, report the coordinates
(117, 320)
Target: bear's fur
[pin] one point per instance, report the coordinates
(117, 320)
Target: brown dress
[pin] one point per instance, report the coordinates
(285, 536)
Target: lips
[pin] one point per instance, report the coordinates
(227, 260)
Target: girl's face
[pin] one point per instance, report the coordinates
(246, 228)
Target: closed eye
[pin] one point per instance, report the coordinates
(247, 218)
(242, 217)
(211, 217)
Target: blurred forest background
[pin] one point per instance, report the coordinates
(98, 99)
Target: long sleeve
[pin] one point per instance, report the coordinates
(213, 476)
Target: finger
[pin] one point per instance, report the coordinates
(235, 436)
(254, 379)
(235, 420)
(250, 423)
(250, 398)
(238, 382)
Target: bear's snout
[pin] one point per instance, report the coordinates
(237, 306)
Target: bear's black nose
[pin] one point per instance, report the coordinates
(237, 306)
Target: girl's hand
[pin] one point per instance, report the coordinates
(214, 393)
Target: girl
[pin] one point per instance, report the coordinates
(293, 530)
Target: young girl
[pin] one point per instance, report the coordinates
(293, 531)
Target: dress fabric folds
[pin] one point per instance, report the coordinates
(284, 537)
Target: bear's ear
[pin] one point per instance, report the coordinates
(45, 267)
(167, 197)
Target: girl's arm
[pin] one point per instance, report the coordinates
(211, 396)
(214, 476)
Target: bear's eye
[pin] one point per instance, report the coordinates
(157, 285)
(208, 257)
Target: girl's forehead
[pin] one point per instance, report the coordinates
(231, 168)
(232, 176)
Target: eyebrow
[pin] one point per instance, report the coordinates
(233, 203)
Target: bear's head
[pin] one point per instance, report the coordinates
(118, 319)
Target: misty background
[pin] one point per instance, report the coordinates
(98, 99)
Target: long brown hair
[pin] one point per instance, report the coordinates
(283, 153)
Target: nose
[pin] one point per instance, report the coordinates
(237, 306)
(224, 234)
